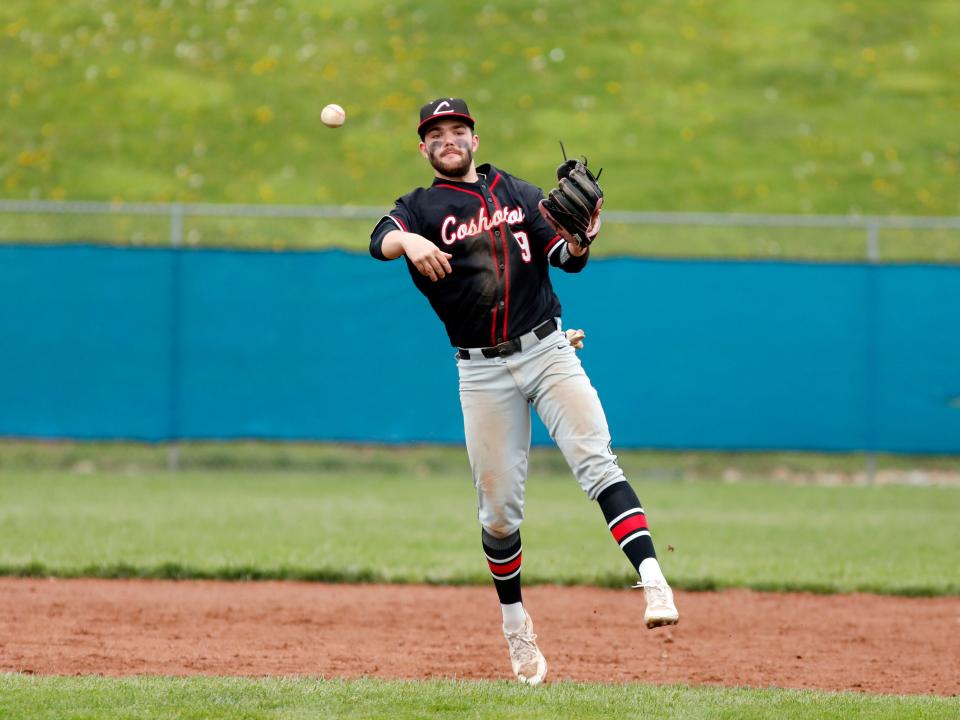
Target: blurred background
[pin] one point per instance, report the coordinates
(183, 268)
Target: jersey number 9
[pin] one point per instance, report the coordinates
(524, 242)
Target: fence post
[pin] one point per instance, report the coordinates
(873, 257)
(176, 241)
(873, 242)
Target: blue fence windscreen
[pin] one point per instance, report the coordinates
(155, 344)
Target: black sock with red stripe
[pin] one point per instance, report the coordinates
(627, 522)
(503, 557)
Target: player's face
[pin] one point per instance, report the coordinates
(449, 146)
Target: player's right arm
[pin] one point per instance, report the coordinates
(396, 235)
(430, 260)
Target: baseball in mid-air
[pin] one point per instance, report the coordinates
(333, 115)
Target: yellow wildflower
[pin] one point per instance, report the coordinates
(264, 114)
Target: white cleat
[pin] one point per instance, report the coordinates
(661, 610)
(528, 662)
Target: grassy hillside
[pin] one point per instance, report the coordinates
(814, 107)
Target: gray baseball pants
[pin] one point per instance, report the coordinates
(496, 395)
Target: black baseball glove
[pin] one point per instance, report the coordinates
(573, 207)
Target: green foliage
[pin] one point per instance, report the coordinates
(821, 106)
(257, 523)
(46, 698)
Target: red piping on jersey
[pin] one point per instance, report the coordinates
(400, 222)
(463, 190)
(506, 260)
(496, 263)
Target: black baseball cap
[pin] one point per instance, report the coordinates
(443, 108)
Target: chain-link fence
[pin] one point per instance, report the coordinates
(279, 227)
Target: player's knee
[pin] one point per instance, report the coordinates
(501, 516)
(500, 521)
(594, 491)
(599, 474)
(500, 529)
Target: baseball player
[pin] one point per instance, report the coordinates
(478, 244)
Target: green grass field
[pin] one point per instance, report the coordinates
(262, 523)
(50, 698)
(266, 456)
(290, 511)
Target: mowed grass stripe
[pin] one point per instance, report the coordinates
(346, 526)
(43, 698)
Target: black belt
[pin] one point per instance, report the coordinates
(511, 346)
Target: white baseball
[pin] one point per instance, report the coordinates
(333, 115)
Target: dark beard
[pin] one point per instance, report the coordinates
(454, 171)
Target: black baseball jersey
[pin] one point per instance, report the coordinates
(499, 288)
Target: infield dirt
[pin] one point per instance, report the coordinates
(862, 643)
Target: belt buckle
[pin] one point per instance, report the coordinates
(506, 348)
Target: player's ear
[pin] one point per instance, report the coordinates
(423, 150)
(475, 142)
